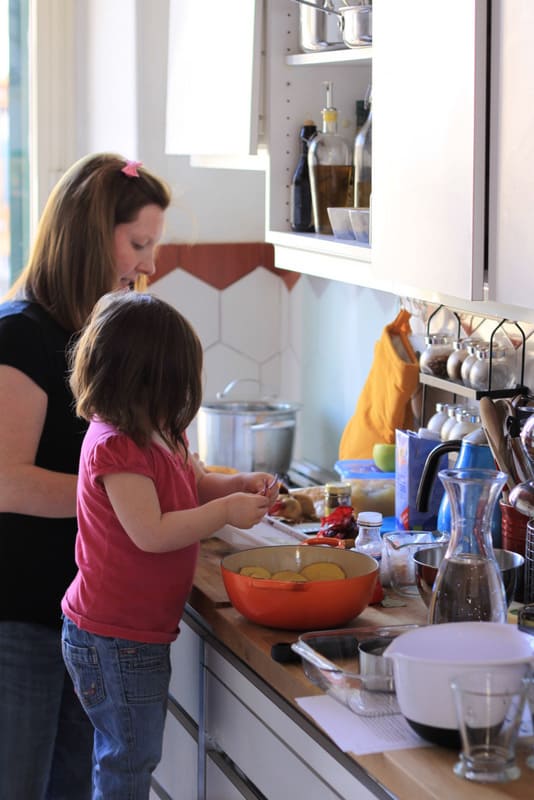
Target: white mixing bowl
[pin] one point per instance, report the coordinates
(427, 658)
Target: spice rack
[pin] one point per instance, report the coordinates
(457, 388)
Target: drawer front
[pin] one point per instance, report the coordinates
(185, 677)
(275, 754)
(177, 771)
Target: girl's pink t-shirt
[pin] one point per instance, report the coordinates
(120, 590)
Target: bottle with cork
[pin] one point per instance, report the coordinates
(331, 167)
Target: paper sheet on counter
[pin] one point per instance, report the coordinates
(358, 734)
(366, 735)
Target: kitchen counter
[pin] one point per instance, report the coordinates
(425, 773)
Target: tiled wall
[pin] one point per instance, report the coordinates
(305, 339)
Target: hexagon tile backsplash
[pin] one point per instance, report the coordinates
(239, 305)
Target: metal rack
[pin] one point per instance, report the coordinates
(458, 389)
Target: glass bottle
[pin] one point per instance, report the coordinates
(331, 168)
(449, 423)
(457, 358)
(363, 146)
(300, 207)
(468, 585)
(369, 539)
(467, 421)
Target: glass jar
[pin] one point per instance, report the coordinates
(457, 358)
(369, 539)
(433, 359)
(468, 362)
(435, 423)
(336, 494)
(501, 359)
(467, 420)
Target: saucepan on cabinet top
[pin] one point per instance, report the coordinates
(355, 21)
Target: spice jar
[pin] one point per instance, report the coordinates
(336, 494)
(433, 359)
(449, 423)
(457, 358)
(467, 420)
(501, 361)
(469, 361)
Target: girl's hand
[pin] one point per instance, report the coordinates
(261, 483)
(245, 510)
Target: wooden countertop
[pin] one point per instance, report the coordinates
(424, 773)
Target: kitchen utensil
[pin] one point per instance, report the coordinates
(373, 664)
(489, 708)
(493, 422)
(292, 605)
(473, 452)
(356, 22)
(528, 596)
(468, 585)
(256, 435)
(427, 561)
(522, 498)
(426, 659)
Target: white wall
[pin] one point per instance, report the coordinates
(328, 329)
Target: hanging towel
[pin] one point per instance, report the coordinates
(384, 404)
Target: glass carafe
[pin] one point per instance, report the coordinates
(469, 586)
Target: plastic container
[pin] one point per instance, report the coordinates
(360, 468)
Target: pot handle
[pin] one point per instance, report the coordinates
(229, 386)
(325, 9)
(275, 424)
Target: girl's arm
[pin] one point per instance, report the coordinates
(135, 502)
(24, 487)
(215, 484)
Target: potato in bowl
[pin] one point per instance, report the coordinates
(326, 601)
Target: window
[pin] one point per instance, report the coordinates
(14, 139)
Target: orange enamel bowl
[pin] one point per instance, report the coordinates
(292, 605)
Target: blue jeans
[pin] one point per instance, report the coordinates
(123, 687)
(46, 741)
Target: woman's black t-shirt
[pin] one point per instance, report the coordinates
(37, 553)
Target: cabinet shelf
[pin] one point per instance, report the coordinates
(361, 55)
(466, 391)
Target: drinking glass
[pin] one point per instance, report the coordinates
(489, 707)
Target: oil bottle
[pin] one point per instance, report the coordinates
(331, 168)
(300, 206)
(363, 145)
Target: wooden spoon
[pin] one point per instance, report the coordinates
(492, 424)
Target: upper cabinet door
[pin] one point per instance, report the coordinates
(213, 84)
(511, 226)
(429, 144)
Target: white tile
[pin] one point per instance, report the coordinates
(196, 300)
(250, 315)
(222, 365)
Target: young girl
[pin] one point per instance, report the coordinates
(144, 503)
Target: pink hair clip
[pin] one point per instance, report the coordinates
(131, 168)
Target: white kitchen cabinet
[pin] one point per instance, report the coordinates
(429, 141)
(213, 81)
(511, 231)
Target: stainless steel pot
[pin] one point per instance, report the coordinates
(355, 23)
(249, 436)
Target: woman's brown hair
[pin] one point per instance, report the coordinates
(138, 366)
(71, 263)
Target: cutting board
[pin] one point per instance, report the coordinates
(208, 577)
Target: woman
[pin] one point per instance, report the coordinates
(98, 233)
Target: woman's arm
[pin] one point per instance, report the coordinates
(25, 488)
(135, 503)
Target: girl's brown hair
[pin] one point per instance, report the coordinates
(71, 263)
(138, 366)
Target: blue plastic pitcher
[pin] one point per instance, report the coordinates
(473, 453)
